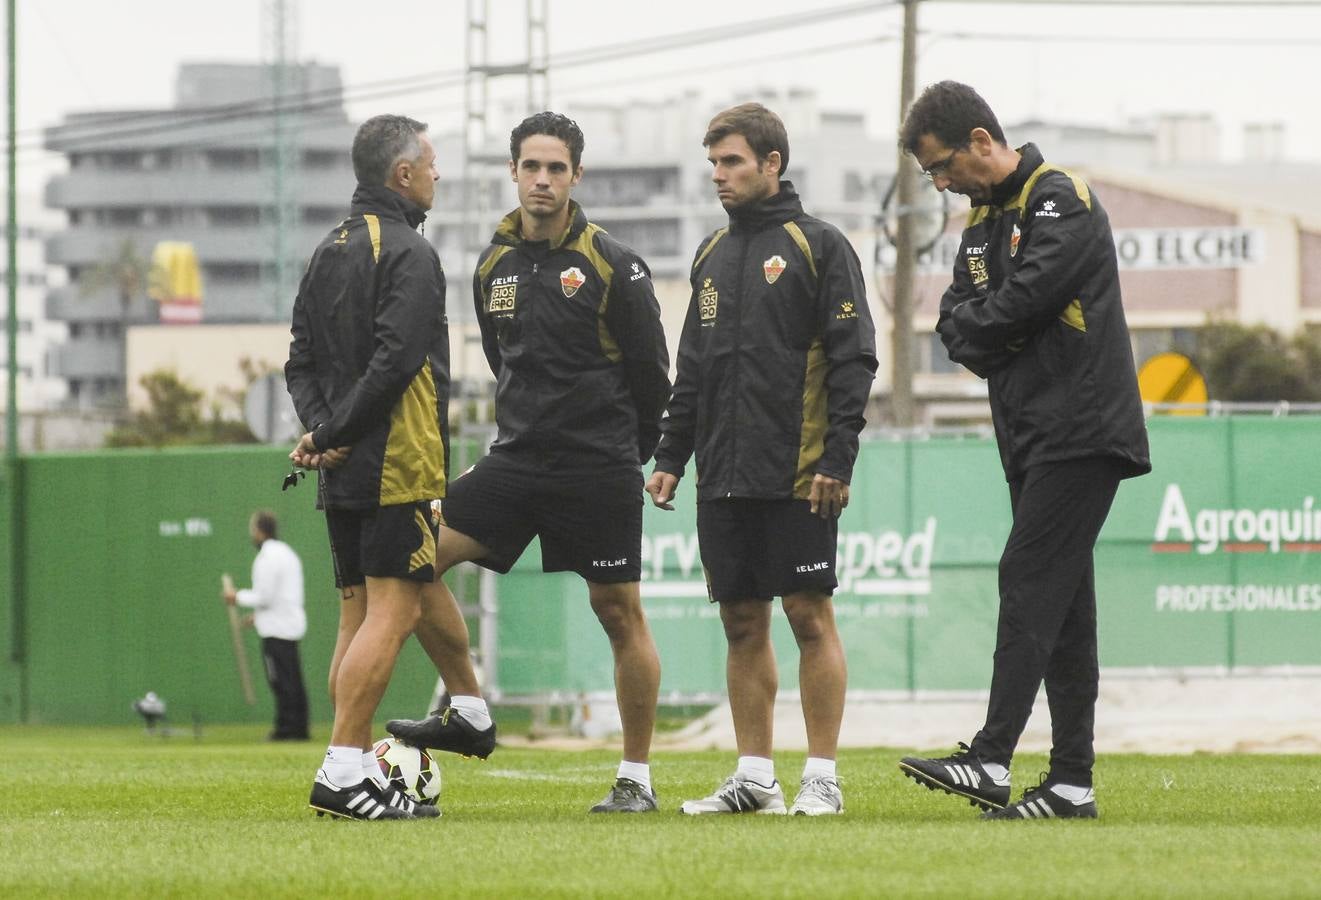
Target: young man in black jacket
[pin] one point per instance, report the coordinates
(368, 371)
(571, 328)
(1035, 309)
(775, 365)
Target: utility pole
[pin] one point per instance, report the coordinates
(281, 21)
(11, 245)
(905, 246)
(11, 593)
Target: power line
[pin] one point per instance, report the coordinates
(1204, 4)
(95, 129)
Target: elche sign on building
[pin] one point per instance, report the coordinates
(1143, 249)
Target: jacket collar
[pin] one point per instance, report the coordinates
(384, 202)
(776, 209)
(1030, 159)
(510, 229)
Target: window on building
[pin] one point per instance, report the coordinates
(232, 216)
(1147, 342)
(628, 187)
(857, 187)
(232, 273)
(323, 215)
(324, 159)
(124, 217)
(233, 159)
(931, 356)
(161, 159)
(123, 160)
(650, 237)
(161, 216)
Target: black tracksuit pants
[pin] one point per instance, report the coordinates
(1047, 624)
(284, 673)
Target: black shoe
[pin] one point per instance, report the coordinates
(627, 796)
(447, 730)
(396, 797)
(1041, 802)
(364, 800)
(960, 774)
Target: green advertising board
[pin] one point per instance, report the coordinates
(1213, 561)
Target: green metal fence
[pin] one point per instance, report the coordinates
(1213, 561)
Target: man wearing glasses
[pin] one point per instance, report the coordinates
(1035, 309)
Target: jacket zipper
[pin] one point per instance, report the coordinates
(738, 359)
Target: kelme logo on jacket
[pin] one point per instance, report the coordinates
(773, 267)
(706, 300)
(570, 280)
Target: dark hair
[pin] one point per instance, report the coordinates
(553, 125)
(948, 111)
(381, 142)
(264, 521)
(761, 128)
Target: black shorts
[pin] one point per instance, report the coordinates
(588, 522)
(383, 542)
(759, 549)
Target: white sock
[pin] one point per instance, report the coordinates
(756, 768)
(817, 767)
(1073, 793)
(639, 772)
(473, 710)
(372, 769)
(343, 766)
(997, 772)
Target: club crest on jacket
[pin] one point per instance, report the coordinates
(571, 279)
(773, 267)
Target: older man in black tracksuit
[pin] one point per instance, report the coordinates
(775, 365)
(1035, 308)
(368, 371)
(571, 329)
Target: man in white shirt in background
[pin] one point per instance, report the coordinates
(276, 601)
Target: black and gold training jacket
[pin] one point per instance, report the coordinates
(369, 361)
(1035, 308)
(572, 331)
(776, 359)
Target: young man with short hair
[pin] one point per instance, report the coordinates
(571, 328)
(775, 365)
(1035, 309)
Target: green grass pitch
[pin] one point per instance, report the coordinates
(115, 813)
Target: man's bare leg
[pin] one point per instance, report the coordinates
(618, 607)
(822, 670)
(352, 610)
(441, 629)
(750, 675)
(393, 606)
(444, 636)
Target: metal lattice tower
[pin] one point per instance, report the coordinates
(280, 45)
(480, 159)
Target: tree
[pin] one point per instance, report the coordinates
(130, 275)
(174, 416)
(1258, 364)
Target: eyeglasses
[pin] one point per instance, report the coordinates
(940, 166)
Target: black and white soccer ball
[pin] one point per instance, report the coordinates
(413, 770)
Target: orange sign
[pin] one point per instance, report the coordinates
(1172, 378)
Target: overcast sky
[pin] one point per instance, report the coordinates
(1091, 64)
